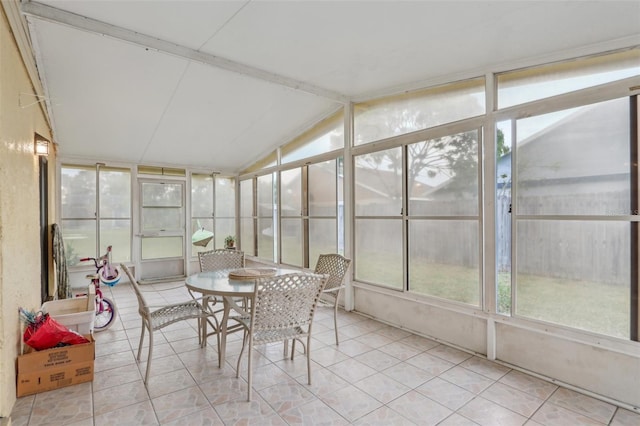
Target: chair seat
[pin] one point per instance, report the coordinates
(173, 313)
(269, 336)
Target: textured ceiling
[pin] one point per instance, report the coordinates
(218, 84)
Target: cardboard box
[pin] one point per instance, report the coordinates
(40, 371)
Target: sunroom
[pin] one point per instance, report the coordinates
(485, 187)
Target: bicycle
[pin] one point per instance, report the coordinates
(106, 310)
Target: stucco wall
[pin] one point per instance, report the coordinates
(19, 205)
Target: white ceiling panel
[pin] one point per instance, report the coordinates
(107, 96)
(216, 84)
(213, 111)
(356, 47)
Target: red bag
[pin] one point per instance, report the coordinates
(49, 334)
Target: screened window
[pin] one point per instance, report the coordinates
(526, 85)
(326, 136)
(265, 227)
(247, 217)
(325, 210)
(574, 240)
(444, 223)
(96, 212)
(378, 221)
(418, 110)
(212, 211)
(292, 217)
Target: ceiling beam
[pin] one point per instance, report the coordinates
(59, 16)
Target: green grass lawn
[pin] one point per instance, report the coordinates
(587, 305)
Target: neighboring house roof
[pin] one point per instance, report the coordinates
(574, 148)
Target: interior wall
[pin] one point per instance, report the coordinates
(606, 370)
(19, 204)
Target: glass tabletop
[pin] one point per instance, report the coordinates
(219, 283)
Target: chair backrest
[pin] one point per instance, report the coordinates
(215, 260)
(336, 266)
(286, 301)
(143, 307)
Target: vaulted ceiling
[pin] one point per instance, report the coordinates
(219, 84)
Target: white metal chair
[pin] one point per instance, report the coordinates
(336, 266)
(282, 310)
(157, 317)
(216, 260)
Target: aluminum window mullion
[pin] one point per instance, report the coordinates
(513, 211)
(634, 319)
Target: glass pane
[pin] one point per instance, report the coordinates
(161, 219)
(202, 237)
(116, 233)
(378, 248)
(503, 217)
(443, 175)
(161, 247)
(225, 197)
(326, 136)
(265, 196)
(201, 195)
(291, 193)
(162, 195)
(575, 273)
(246, 198)
(265, 239)
(78, 193)
(322, 189)
(401, 114)
(246, 236)
(575, 162)
(292, 242)
(224, 227)
(530, 84)
(444, 259)
(115, 194)
(79, 238)
(322, 239)
(378, 178)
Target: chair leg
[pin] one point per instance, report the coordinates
(202, 324)
(250, 372)
(244, 342)
(308, 350)
(141, 340)
(146, 376)
(335, 319)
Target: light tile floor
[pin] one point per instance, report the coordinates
(378, 375)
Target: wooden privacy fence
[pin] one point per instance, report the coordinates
(588, 250)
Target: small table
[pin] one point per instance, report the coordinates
(218, 283)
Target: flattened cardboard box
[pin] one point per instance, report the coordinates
(40, 371)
